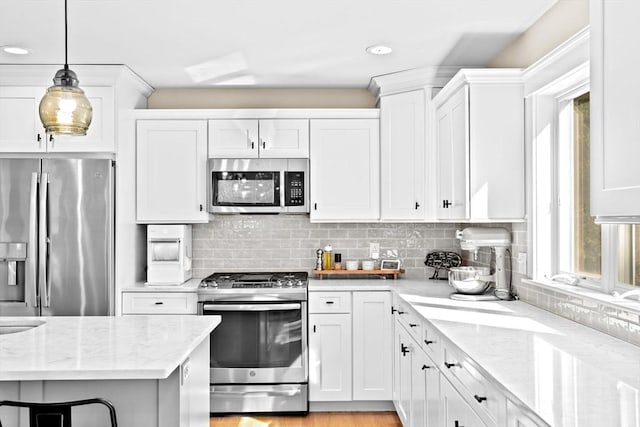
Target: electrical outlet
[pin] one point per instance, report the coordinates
(522, 262)
(374, 250)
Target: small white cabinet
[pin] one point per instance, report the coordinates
(21, 129)
(171, 171)
(402, 156)
(615, 128)
(345, 170)
(479, 142)
(250, 138)
(372, 342)
(330, 357)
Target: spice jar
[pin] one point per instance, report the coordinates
(337, 265)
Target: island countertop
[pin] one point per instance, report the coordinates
(97, 348)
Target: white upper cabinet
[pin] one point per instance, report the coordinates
(615, 128)
(479, 138)
(250, 138)
(402, 156)
(345, 170)
(20, 126)
(171, 160)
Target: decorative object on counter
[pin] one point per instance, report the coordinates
(352, 265)
(337, 265)
(354, 273)
(319, 253)
(390, 264)
(64, 108)
(327, 258)
(442, 260)
(367, 264)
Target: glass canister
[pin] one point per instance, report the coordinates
(327, 258)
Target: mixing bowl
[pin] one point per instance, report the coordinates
(470, 280)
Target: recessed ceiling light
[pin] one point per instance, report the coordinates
(379, 50)
(15, 50)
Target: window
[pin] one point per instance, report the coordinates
(579, 238)
(628, 265)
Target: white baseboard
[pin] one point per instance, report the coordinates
(352, 406)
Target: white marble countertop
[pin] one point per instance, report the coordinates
(568, 374)
(90, 348)
(190, 285)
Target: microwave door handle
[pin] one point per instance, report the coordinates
(251, 307)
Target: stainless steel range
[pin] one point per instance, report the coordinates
(259, 352)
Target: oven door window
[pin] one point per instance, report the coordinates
(246, 188)
(257, 336)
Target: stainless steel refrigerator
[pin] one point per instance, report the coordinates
(56, 237)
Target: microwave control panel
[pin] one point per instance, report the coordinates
(294, 184)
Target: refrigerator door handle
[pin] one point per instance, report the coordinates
(31, 284)
(43, 243)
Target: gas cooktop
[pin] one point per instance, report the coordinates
(256, 280)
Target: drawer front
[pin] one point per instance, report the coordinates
(329, 302)
(431, 342)
(483, 397)
(411, 320)
(159, 303)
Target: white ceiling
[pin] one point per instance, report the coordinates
(274, 43)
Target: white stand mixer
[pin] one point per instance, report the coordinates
(499, 239)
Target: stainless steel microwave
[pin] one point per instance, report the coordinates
(258, 185)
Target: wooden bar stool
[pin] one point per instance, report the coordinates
(57, 414)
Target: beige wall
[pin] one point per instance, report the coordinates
(563, 20)
(261, 98)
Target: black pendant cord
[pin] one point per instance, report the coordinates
(66, 64)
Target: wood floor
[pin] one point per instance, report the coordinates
(314, 419)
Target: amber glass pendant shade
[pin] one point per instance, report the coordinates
(65, 109)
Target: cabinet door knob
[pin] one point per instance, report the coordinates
(428, 342)
(315, 206)
(201, 207)
(38, 138)
(417, 205)
(412, 325)
(314, 329)
(449, 365)
(425, 367)
(446, 204)
(253, 145)
(159, 303)
(264, 144)
(329, 302)
(393, 310)
(404, 349)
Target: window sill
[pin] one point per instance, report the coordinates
(591, 296)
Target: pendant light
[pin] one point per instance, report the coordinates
(65, 109)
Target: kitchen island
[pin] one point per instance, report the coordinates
(154, 369)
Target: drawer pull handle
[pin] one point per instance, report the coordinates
(328, 302)
(159, 303)
(450, 365)
(428, 342)
(413, 325)
(401, 312)
(479, 399)
(426, 367)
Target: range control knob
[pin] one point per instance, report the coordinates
(279, 283)
(289, 283)
(299, 283)
(203, 284)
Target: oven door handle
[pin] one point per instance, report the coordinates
(251, 307)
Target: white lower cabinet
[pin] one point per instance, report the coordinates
(517, 418)
(330, 357)
(350, 346)
(455, 411)
(425, 391)
(159, 303)
(403, 349)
